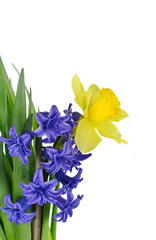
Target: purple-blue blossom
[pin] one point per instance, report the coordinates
(78, 156)
(59, 158)
(73, 117)
(52, 125)
(69, 182)
(17, 211)
(18, 146)
(39, 191)
(66, 206)
(62, 159)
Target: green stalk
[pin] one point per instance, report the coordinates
(45, 224)
(53, 223)
(36, 223)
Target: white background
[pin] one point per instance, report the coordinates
(112, 44)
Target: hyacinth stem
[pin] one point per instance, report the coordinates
(36, 223)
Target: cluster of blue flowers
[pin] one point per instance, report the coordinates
(56, 162)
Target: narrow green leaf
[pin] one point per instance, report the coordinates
(28, 123)
(49, 235)
(45, 224)
(5, 83)
(19, 118)
(55, 208)
(7, 117)
(20, 171)
(2, 106)
(53, 223)
(31, 109)
(6, 114)
(19, 115)
(5, 133)
(23, 231)
(2, 235)
(4, 190)
(8, 167)
(16, 178)
(32, 163)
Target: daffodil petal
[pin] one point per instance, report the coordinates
(91, 96)
(109, 130)
(78, 91)
(123, 114)
(86, 137)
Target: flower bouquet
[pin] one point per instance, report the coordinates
(42, 153)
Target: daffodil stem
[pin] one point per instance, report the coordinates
(36, 223)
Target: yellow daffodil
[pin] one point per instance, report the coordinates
(100, 108)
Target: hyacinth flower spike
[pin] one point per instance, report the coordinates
(17, 211)
(100, 108)
(66, 206)
(18, 146)
(39, 191)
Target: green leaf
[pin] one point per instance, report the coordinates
(19, 115)
(28, 123)
(53, 223)
(45, 224)
(5, 133)
(31, 158)
(20, 171)
(2, 235)
(2, 106)
(49, 235)
(23, 231)
(8, 167)
(6, 82)
(31, 109)
(6, 115)
(5, 86)
(19, 118)
(4, 190)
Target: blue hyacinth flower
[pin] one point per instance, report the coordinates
(17, 211)
(62, 159)
(18, 146)
(59, 158)
(69, 182)
(78, 157)
(39, 191)
(66, 206)
(52, 125)
(73, 117)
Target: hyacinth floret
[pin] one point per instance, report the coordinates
(72, 121)
(18, 146)
(39, 191)
(62, 159)
(69, 182)
(66, 206)
(52, 125)
(17, 211)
